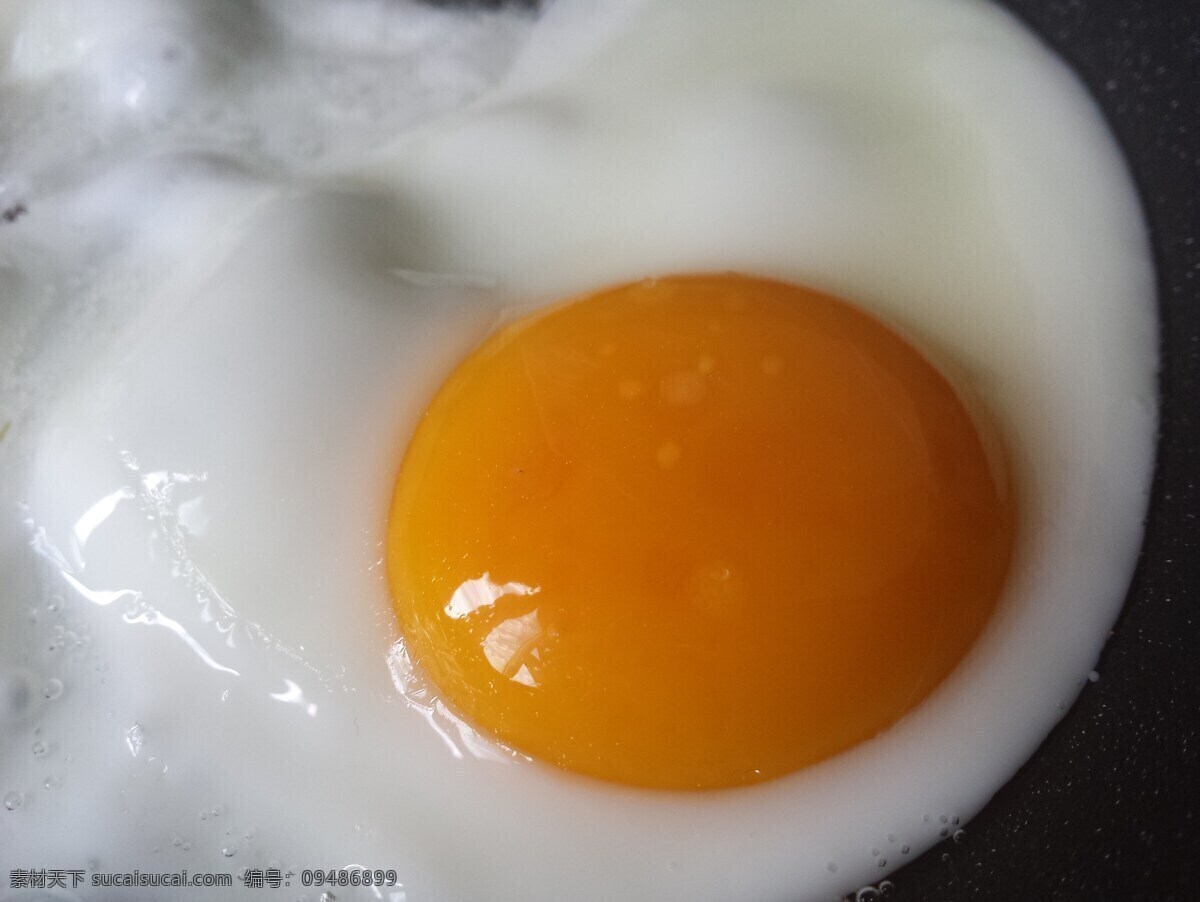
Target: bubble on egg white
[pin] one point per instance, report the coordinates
(135, 738)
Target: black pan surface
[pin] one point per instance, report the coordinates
(1109, 807)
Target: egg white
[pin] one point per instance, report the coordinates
(224, 342)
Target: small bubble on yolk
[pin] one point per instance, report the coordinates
(695, 532)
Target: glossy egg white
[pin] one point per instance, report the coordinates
(238, 277)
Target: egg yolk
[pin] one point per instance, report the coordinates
(695, 532)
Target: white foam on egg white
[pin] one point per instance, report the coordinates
(241, 274)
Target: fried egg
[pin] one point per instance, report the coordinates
(347, 343)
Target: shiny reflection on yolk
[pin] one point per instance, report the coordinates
(695, 532)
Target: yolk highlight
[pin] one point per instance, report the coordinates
(695, 532)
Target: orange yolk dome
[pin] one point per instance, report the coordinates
(695, 532)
